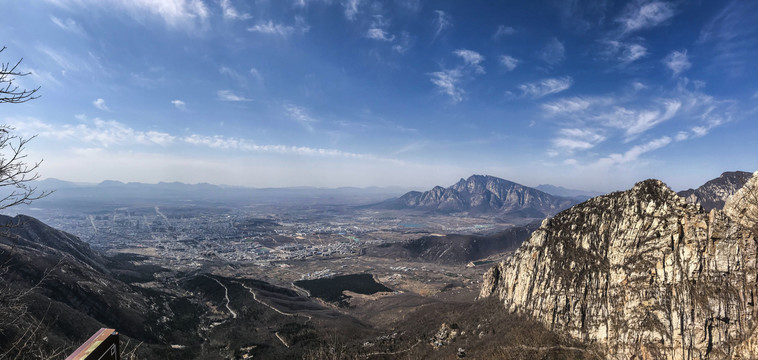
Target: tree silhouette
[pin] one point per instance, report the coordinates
(15, 172)
(9, 92)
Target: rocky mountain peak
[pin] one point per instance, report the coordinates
(641, 273)
(714, 193)
(484, 194)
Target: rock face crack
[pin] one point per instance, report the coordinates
(641, 274)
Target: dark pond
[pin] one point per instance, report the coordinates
(330, 289)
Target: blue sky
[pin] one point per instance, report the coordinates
(589, 95)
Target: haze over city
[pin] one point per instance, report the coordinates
(591, 96)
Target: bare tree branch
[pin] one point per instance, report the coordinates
(9, 92)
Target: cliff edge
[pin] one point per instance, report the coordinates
(641, 274)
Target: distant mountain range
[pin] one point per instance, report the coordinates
(111, 193)
(714, 193)
(579, 195)
(483, 194)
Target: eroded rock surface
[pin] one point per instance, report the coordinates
(641, 274)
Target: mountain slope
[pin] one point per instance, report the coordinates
(713, 193)
(641, 273)
(55, 292)
(481, 194)
(454, 248)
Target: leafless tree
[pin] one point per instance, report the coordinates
(9, 92)
(16, 177)
(16, 173)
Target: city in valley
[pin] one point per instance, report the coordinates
(281, 244)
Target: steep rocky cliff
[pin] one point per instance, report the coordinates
(640, 274)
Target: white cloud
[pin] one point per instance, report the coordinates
(681, 136)
(442, 21)
(567, 105)
(546, 86)
(646, 15)
(624, 52)
(403, 44)
(503, 31)
(231, 13)
(471, 58)
(509, 62)
(447, 81)
(634, 153)
(100, 104)
(109, 133)
(105, 133)
(571, 145)
(228, 95)
(181, 105)
(379, 34)
(377, 30)
(677, 61)
(554, 52)
(572, 139)
(271, 28)
(257, 76)
(227, 143)
(351, 8)
(635, 122)
(300, 114)
(68, 25)
(186, 14)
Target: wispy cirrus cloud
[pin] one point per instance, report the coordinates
(638, 121)
(272, 28)
(633, 153)
(732, 38)
(97, 132)
(67, 24)
(677, 61)
(509, 62)
(189, 15)
(378, 30)
(570, 105)
(448, 80)
(503, 31)
(228, 95)
(230, 12)
(111, 133)
(300, 115)
(646, 14)
(351, 8)
(442, 21)
(448, 83)
(553, 52)
(572, 139)
(472, 59)
(546, 86)
(624, 52)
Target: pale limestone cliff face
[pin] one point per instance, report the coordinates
(639, 273)
(743, 205)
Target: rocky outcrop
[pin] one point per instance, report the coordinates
(639, 274)
(713, 193)
(743, 205)
(481, 194)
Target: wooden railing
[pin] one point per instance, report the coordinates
(101, 346)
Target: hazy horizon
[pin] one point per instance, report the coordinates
(362, 93)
